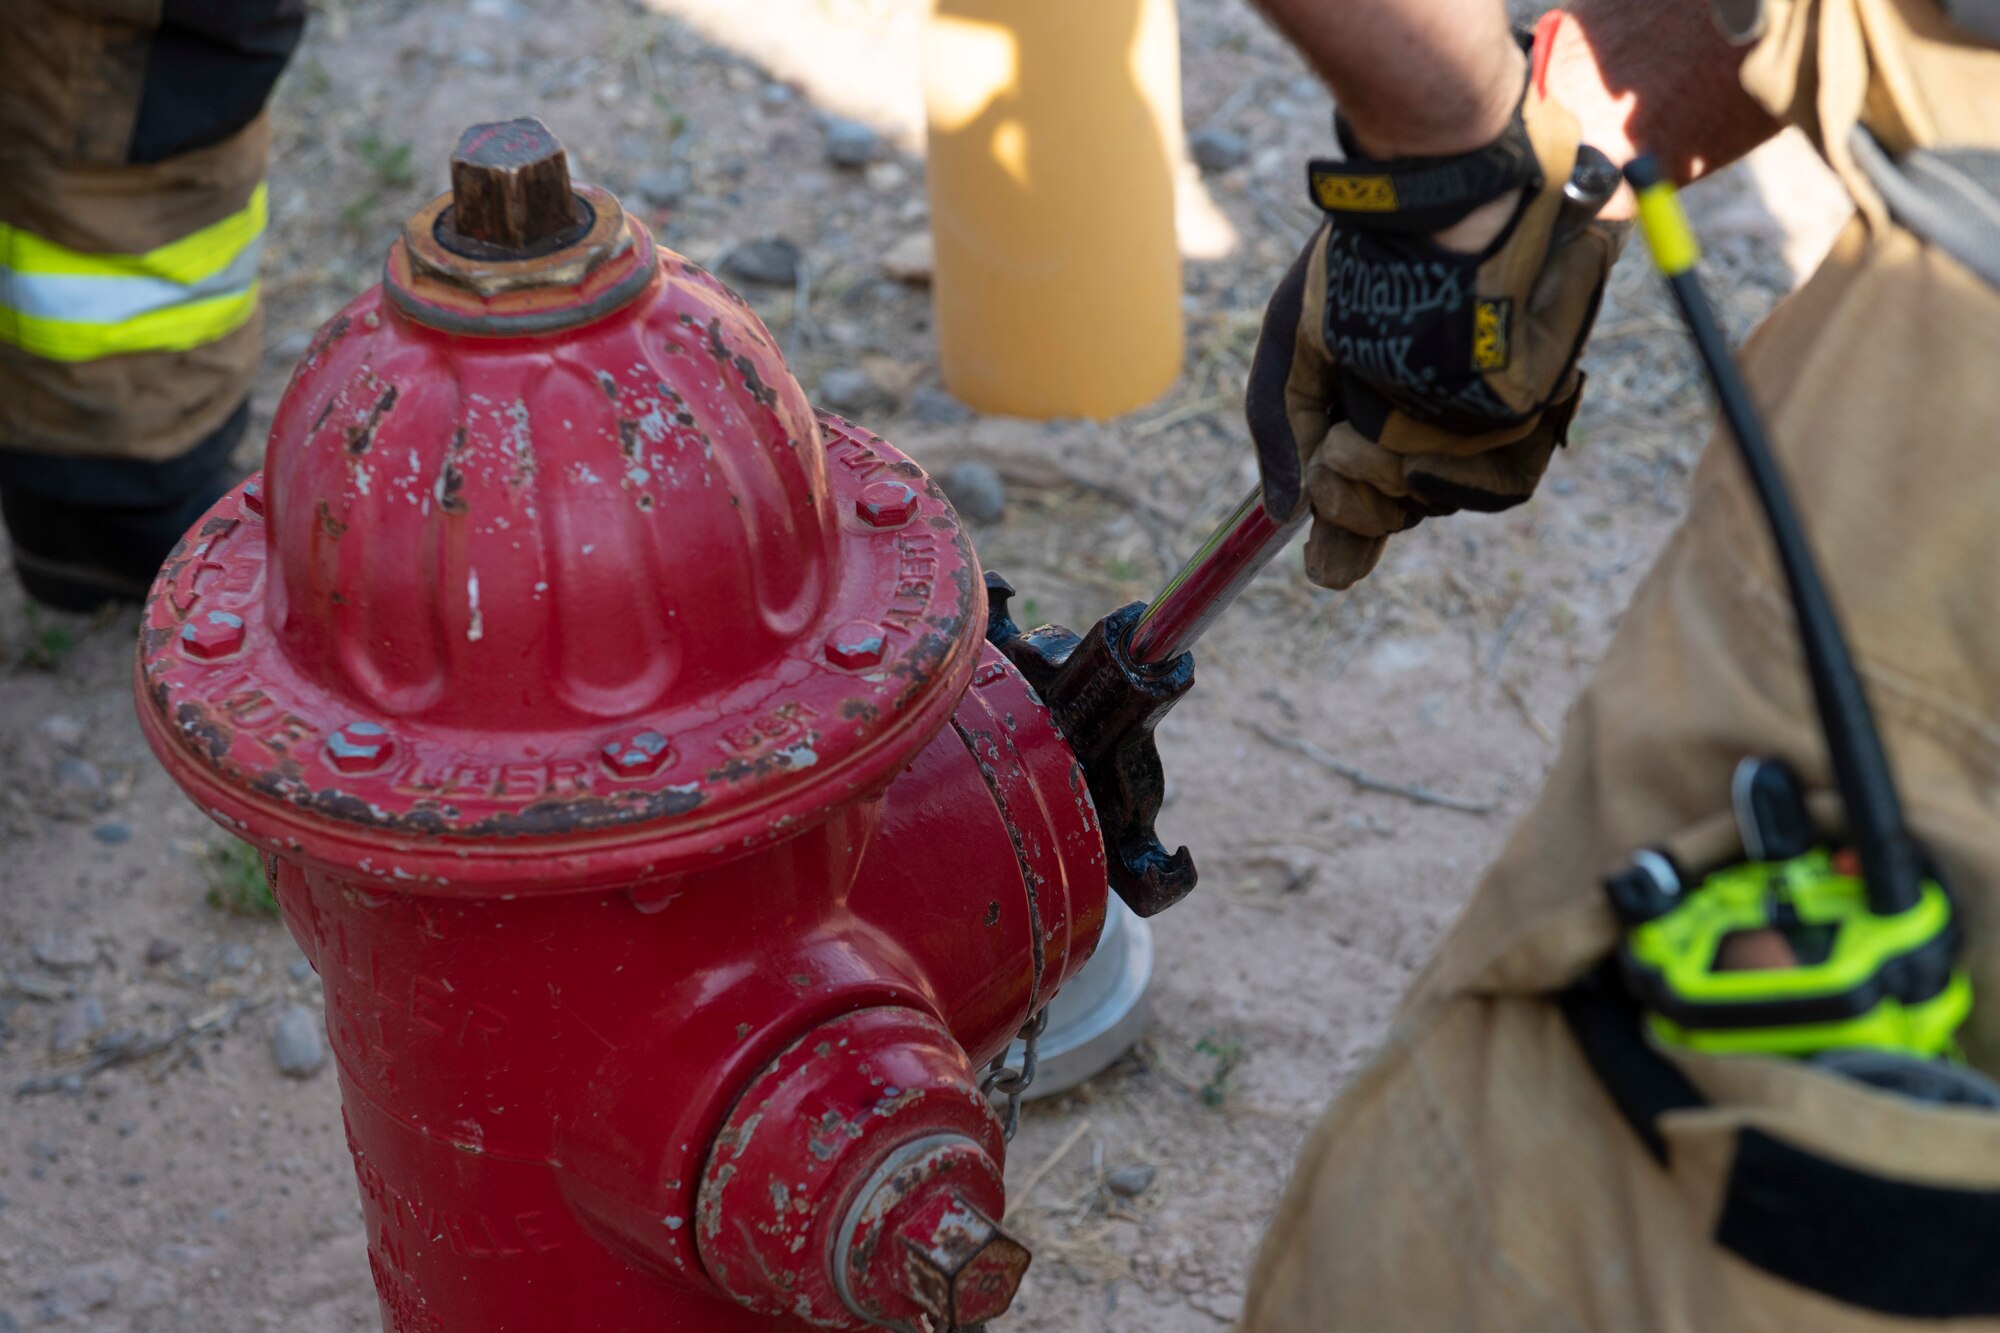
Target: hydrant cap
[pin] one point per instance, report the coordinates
(587, 581)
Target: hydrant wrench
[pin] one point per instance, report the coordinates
(1109, 688)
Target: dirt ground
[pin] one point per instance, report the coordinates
(162, 1174)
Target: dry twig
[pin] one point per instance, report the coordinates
(1366, 781)
(1020, 1197)
(1520, 702)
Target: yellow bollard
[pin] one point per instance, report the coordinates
(1054, 129)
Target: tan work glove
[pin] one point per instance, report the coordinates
(1395, 380)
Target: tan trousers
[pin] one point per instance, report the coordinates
(118, 338)
(1477, 1176)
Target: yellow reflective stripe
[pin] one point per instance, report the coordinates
(198, 255)
(175, 329)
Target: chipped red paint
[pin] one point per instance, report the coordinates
(624, 734)
(798, 1152)
(504, 551)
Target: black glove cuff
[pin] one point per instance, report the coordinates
(1416, 196)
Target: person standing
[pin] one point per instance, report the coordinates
(1520, 1154)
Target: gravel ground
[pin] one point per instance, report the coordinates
(170, 1155)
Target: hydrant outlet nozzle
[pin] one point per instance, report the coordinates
(856, 1181)
(914, 1243)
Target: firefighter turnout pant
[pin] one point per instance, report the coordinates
(133, 142)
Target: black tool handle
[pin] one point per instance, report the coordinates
(1892, 864)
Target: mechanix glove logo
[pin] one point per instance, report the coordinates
(1354, 194)
(1402, 315)
(1490, 323)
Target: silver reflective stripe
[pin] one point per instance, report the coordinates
(82, 298)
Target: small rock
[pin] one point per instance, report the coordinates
(1129, 1182)
(887, 177)
(116, 1043)
(64, 953)
(935, 407)
(1225, 1307)
(78, 1021)
(773, 261)
(976, 491)
(1218, 150)
(161, 951)
(849, 143)
(292, 347)
(776, 94)
(33, 988)
(43, 1151)
(506, 11)
(297, 1044)
(475, 58)
(7, 1324)
(912, 260)
(236, 958)
(112, 832)
(93, 1286)
(300, 970)
(131, 1178)
(848, 390)
(1563, 485)
(78, 775)
(127, 1128)
(663, 187)
(62, 731)
(182, 1255)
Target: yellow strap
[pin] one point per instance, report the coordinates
(198, 255)
(1668, 234)
(172, 330)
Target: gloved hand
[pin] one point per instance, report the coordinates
(1395, 379)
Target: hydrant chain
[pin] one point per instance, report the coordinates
(1011, 1083)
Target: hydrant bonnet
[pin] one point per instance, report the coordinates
(534, 563)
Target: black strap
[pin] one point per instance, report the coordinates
(1415, 196)
(1892, 1246)
(1605, 1022)
(209, 70)
(1950, 197)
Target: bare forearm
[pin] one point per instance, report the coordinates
(1655, 76)
(1415, 78)
(1429, 77)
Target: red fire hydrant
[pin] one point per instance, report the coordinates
(633, 768)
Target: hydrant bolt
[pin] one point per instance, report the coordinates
(359, 747)
(960, 1266)
(212, 635)
(637, 755)
(886, 504)
(857, 645)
